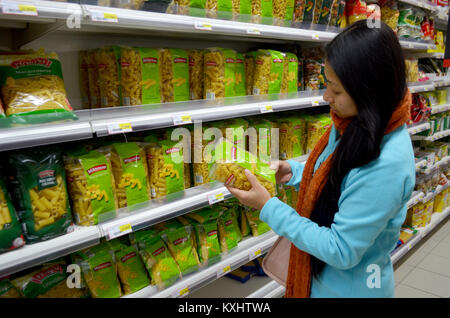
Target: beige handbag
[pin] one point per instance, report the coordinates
(276, 263)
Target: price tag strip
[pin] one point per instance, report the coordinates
(118, 128)
(100, 16)
(223, 271)
(10, 7)
(198, 25)
(181, 292)
(118, 230)
(254, 254)
(253, 31)
(182, 120)
(214, 198)
(266, 109)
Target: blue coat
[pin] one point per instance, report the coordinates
(372, 208)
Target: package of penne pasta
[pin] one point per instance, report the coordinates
(140, 78)
(38, 188)
(10, 230)
(268, 72)
(219, 73)
(91, 186)
(107, 61)
(32, 87)
(196, 74)
(289, 83)
(174, 75)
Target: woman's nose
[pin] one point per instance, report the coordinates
(327, 97)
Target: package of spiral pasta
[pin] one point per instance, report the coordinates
(262, 11)
(219, 73)
(240, 82)
(196, 66)
(174, 75)
(109, 75)
(268, 72)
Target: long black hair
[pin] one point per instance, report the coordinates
(370, 65)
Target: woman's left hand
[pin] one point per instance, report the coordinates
(256, 197)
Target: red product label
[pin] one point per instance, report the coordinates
(102, 66)
(259, 62)
(39, 277)
(124, 64)
(277, 61)
(211, 63)
(149, 156)
(230, 178)
(283, 131)
(211, 233)
(132, 159)
(239, 61)
(96, 169)
(102, 266)
(230, 60)
(36, 61)
(172, 150)
(191, 63)
(153, 60)
(229, 222)
(180, 60)
(128, 256)
(293, 60)
(159, 251)
(179, 241)
(46, 173)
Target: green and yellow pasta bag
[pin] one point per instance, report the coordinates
(250, 65)
(160, 264)
(166, 163)
(268, 72)
(229, 231)
(107, 60)
(202, 147)
(229, 169)
(38, 187)
(10, 229)
(7, 289)
(208, 242)
(91, 186)
(131, 270)
(257, 226)
(290, 73)
(240, 81)
(140, 76)
(219, 73)
(242, 10)
(196, 74)
(174, 75)
(316, 126)
(262, 11)
(129, 167)
(283, 12)
(292, 136)
(263, 129)
(32, 88)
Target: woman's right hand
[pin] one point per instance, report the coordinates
(283, 171)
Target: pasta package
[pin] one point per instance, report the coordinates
(91, 187)
(174, 74)
(263, 131)
(250, 62)
(229, 169)
(240, 81)
(202, 155)
(196, 74)
(316, 127)
(32, 87)
(268, 72)
(229, 231)
(219, 73)
(304, 11)
(131, 270)
(279, 11)
(257, 226)
(292, 133)
(84, 80)
(7, 289)
(10, 230)
(205, 215)
(94, 88)
(262, 11)
(163, 269)
(109, 76)
(208, 242)
(140, 77)
(37, 179)
(242, 10)
(130, 172)
(165, 160)
(289, 83)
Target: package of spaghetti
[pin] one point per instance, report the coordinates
(109, 75)
(257, 226)
(268, 72)
(242, 10)
(160, 264)
(140, 78)
(165, 161)
(84, 80)
(229, 231)
(196, 74)
(219, 73)
(132, 273)
(230, 165)
(292, 135)
(289, 83)
(10, 229)
(94, 88)
(38, 189)
(174, 75)
(239, 70)
(7, 290)
(91, 186)
(262, 11)
(250, 65)
(32, 87)
(129, 166)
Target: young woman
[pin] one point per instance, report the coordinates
(355, 185)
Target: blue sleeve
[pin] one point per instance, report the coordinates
(297, 172)
(371, 197)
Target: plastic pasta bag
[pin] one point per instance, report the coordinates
(240, 82)
(131, 270)
(219, 71)
(174, 74)
(325, 12)
(262, 11)
(84, 80)
(279, 11)
(32, 87)
(292, 132)
(140, 78)
(268, 72)
(109, 76)
(257, 226)
(94, 88)
(316, 127)
(242, 10)
(250, 62)
(37, 179)
(91, 186)
(263, 131)
(201, 151)
(10, 230)
(290, 73)
(229, 232)
(196, 65)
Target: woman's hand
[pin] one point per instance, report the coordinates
(283, 171)
(256, 197)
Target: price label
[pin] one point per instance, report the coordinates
(117, 128)
(104, 17)
(19, 9)
(223, 271)
(254, 254)
(315, 37)
(182, 120)
(315, 103)
(182, 292)
(266, 109)
(202, 26)
(214, 198)
(119, 230)
(253, 31)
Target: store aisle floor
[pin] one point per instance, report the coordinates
(425, 271)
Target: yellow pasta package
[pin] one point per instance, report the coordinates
(174, 75)
(32, 87)
(107, 61)
(84, 80)
(289, 83)
(293, 136)
(201, 156)
(91, 186)
(196, 74)
(94, 89)
(250, 62)
(219, 73)
(268, 72)
(39, 193)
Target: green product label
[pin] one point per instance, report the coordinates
(292, 72)
(101, 277)
(239, 75)
(224, 9)
(182, 249)
(267, 8)
(98, 176)
(134, 178)
(29, 67)
(197, 8)
(276, 68)
(150, 76)
(245, 7)
(180, 65)
(289, 12)
(173, 166)
(230, 79)
(132, 273)
(43, 281)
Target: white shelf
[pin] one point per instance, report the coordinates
(238, 257)
(421, 87)
(270, 290)
(444, 161)
(438, 135)
(417, 128)
(440, 108)
(415, 198)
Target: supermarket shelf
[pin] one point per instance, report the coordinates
(37, 11)
(440, 108)
(38, 253)
(420, 4)
(441, 81)
(270, 290)
(247, 250)
(417, 45)
(416, 197)
(436, 218)
(421, 87)
(417, 128)
(434, 137)
(444, 161)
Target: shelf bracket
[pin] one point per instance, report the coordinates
(33, 32)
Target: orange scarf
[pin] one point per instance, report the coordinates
(298, 283)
